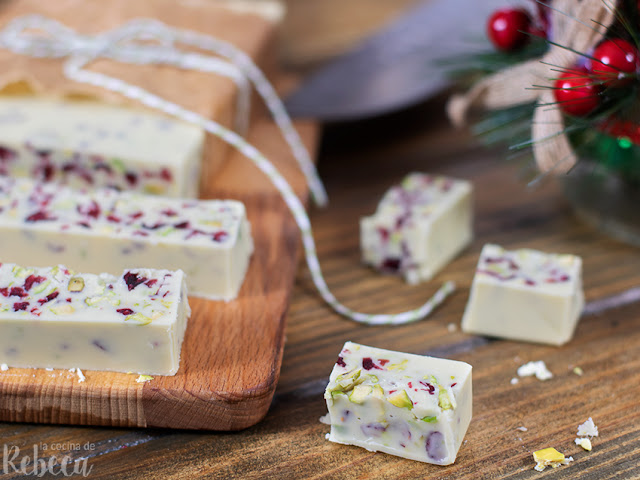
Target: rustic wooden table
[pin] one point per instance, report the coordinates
(358, 163)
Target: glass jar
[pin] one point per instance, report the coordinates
(606, 199)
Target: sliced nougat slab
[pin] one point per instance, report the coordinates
(92, 144)
(108, 231)
(52, 317)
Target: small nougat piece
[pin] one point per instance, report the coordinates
(108, 231)
(525, 295)
(412, 406)
(54, 318)
(418, 227)
(92, 144)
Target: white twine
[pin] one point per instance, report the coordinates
(123, 44)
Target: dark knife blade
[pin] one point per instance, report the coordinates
(398, 66)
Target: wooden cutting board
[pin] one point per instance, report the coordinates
(232, 351)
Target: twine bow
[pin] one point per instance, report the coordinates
(577, 26)
(151, 42)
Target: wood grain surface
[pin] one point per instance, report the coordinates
(359, 162)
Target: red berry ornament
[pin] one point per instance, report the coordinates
(615, 62)
(576, 93)
(507, 28)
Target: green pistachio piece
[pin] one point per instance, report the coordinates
(378, 392)
(401, 400)
(360, 393)
(429, 419)
(444, 402)
(92, 300)
(166, 231)
(22, 272)
(348, 380)
(41, 287)
(64, 309)
(139, 318)
(76, 284)
(118, 164)
(399, 366)
(144, 378)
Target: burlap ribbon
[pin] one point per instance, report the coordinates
(576, 26)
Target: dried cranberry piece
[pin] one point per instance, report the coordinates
(391, 264)
(367, 364)
(48, 298)
(133, 280)
(181, 225)
(436, 448)
(219, 236)
(165, 174)
(47, 172)
(40, 216)
(125, 311)
(430, 387)
(102, 166)
(4, 291)
(20, 306)
(132, 178)
(93, 210)
(7, 153)
(340, 362)
(154, 226)
(17, 292)
(384, 234)
(31, 280)
(373, 429)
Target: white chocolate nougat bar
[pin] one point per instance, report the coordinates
(407, 405)
(54, 318)
(91, 144)
(525, 295)
(418, 227)
(107, 231)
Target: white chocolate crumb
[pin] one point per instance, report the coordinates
(584, 443)
(4, 367)
(578, 371)
(326, 419)
(588, 429)
(49, 369)
(81, 377)
(538, 368)
(452, 327)
(522, 429)
(514, 381)
(144, 378)
(72, 370)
